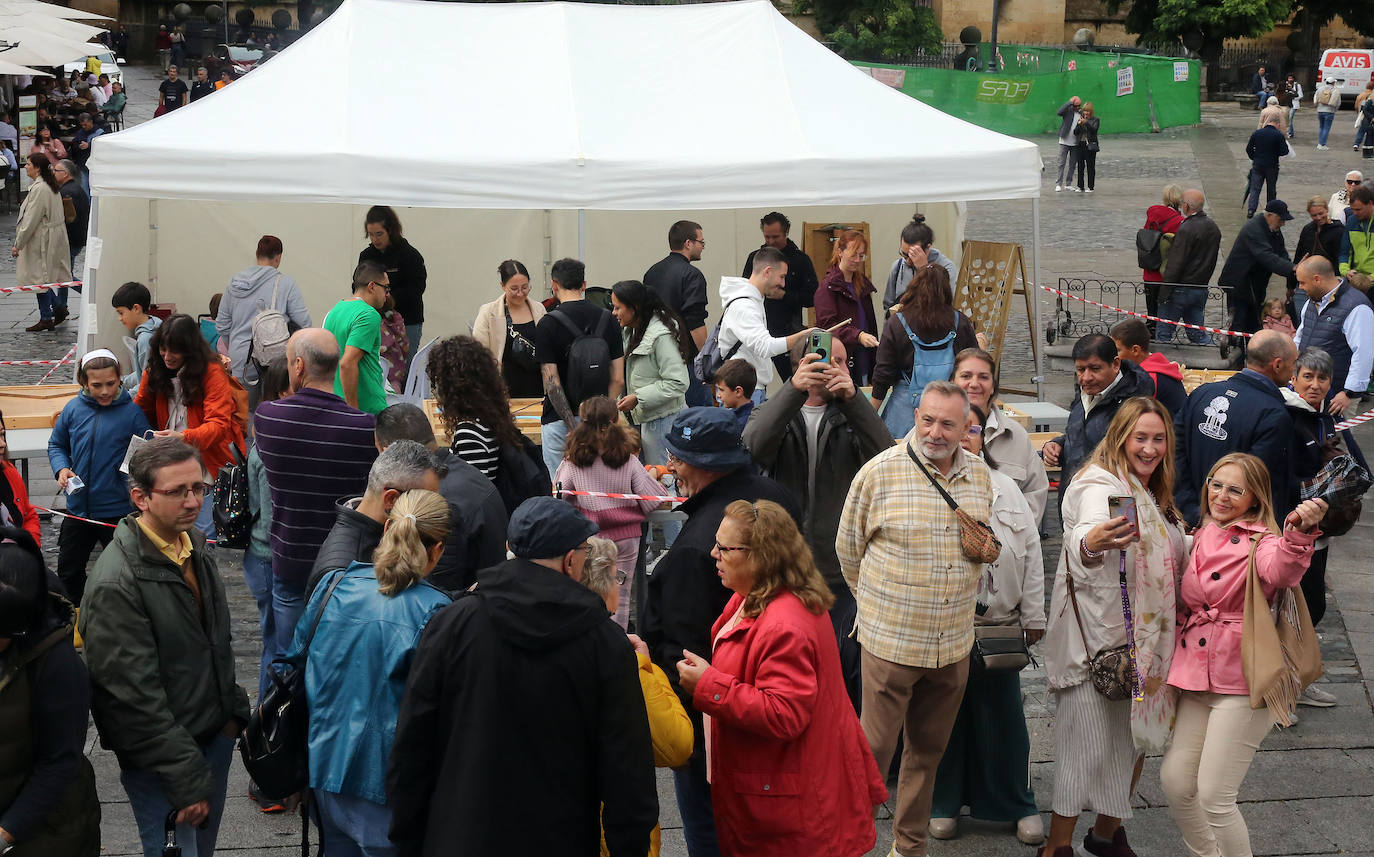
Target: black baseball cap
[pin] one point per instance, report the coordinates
(546, 527)
(1279, 207)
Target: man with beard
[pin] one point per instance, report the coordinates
(784, 314)
(899, 548)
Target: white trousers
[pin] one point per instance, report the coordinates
(1215, 738)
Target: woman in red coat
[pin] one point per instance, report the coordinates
(14, 495)
(845, 293)
(186, 393)
(1164, 218)
(790, 770)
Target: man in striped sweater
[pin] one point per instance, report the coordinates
(315, 448)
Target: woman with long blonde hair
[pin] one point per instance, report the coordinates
(775, 702)
(1123, 551)
(366, 622)
(1217, 732)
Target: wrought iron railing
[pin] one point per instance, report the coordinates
(1070, 318)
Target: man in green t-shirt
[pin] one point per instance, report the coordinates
(356, 323)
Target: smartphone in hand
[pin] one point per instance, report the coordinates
(1119, 505)
(821, 343)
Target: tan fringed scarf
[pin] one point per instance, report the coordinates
(1280, 654)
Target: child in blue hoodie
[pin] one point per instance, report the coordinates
(89, 441)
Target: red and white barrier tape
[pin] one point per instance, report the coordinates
(32, 362)
(62, 514)
(66, 358)
(1355, 421)
(40, 288)
(610, 496)
(1148, 317)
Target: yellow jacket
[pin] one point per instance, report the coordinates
(670, 729)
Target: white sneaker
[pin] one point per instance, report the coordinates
(1076, 189)
(943, 828)
(1058, 188)
(1031, 829)
(1316, 697)
(1321, 148)
(1089, 190)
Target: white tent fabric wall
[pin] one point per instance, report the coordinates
(195, 247)
(552, 106)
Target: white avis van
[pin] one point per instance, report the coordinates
(1351, 68)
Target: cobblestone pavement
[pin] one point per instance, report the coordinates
(1310, 787)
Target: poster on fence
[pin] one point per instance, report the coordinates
(1125, 81)
(1180, 72)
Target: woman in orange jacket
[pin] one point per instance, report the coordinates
(670, 729)
(186, 393)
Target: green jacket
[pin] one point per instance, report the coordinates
(1357, 247)
(162, 680)
(656, 373)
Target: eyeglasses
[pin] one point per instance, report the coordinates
(621, 578)
(1234, 491)
(203, 489)
(727, 549)
(673, 460)
(701, 241)
(1352, 181)
(975, 430)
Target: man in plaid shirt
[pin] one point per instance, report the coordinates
(898, 546)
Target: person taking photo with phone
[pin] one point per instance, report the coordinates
(1113, 605)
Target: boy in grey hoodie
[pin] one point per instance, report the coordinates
(131, 302)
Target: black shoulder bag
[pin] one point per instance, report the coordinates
(275, 743)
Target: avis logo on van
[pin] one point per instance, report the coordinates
(1349, 67)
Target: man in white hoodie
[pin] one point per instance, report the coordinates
(742, 319)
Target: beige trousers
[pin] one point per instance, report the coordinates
(926, 703)
(1215, 739)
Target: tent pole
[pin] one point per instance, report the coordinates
(85, 338)
(1035, 304)
(582, 234)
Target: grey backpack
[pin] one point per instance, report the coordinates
(271, 329)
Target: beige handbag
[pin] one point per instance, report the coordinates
(1279, 653)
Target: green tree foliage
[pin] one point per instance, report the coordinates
(1164, 23)
(878, 29)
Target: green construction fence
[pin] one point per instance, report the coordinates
(1130, 93)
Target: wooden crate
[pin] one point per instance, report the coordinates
(526, 412)
(35, 406)
(1037, 439)
(1194, 378)
(1016, 414)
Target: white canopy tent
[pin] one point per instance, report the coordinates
(521, 116)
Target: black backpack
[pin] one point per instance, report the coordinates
(1149, 255)
(520, 474)
(589, 360)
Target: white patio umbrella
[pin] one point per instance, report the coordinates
(60, 27)
(7, 67)
(18, 6)
(29, 46)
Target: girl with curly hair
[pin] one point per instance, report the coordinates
(187, 394)
(475, 409)
(601, 457)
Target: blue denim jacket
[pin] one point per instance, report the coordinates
(355, 675)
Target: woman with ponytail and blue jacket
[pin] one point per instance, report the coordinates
(356, 666)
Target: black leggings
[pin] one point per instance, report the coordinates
(1088, 159)
(1314, 585)
(75, 541)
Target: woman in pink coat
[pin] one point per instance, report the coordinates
(790, 769)
(1216, 732)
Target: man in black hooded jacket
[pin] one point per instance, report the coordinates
(524, 700)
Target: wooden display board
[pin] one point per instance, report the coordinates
(988, 277)
(35, 406)
(525, 411)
